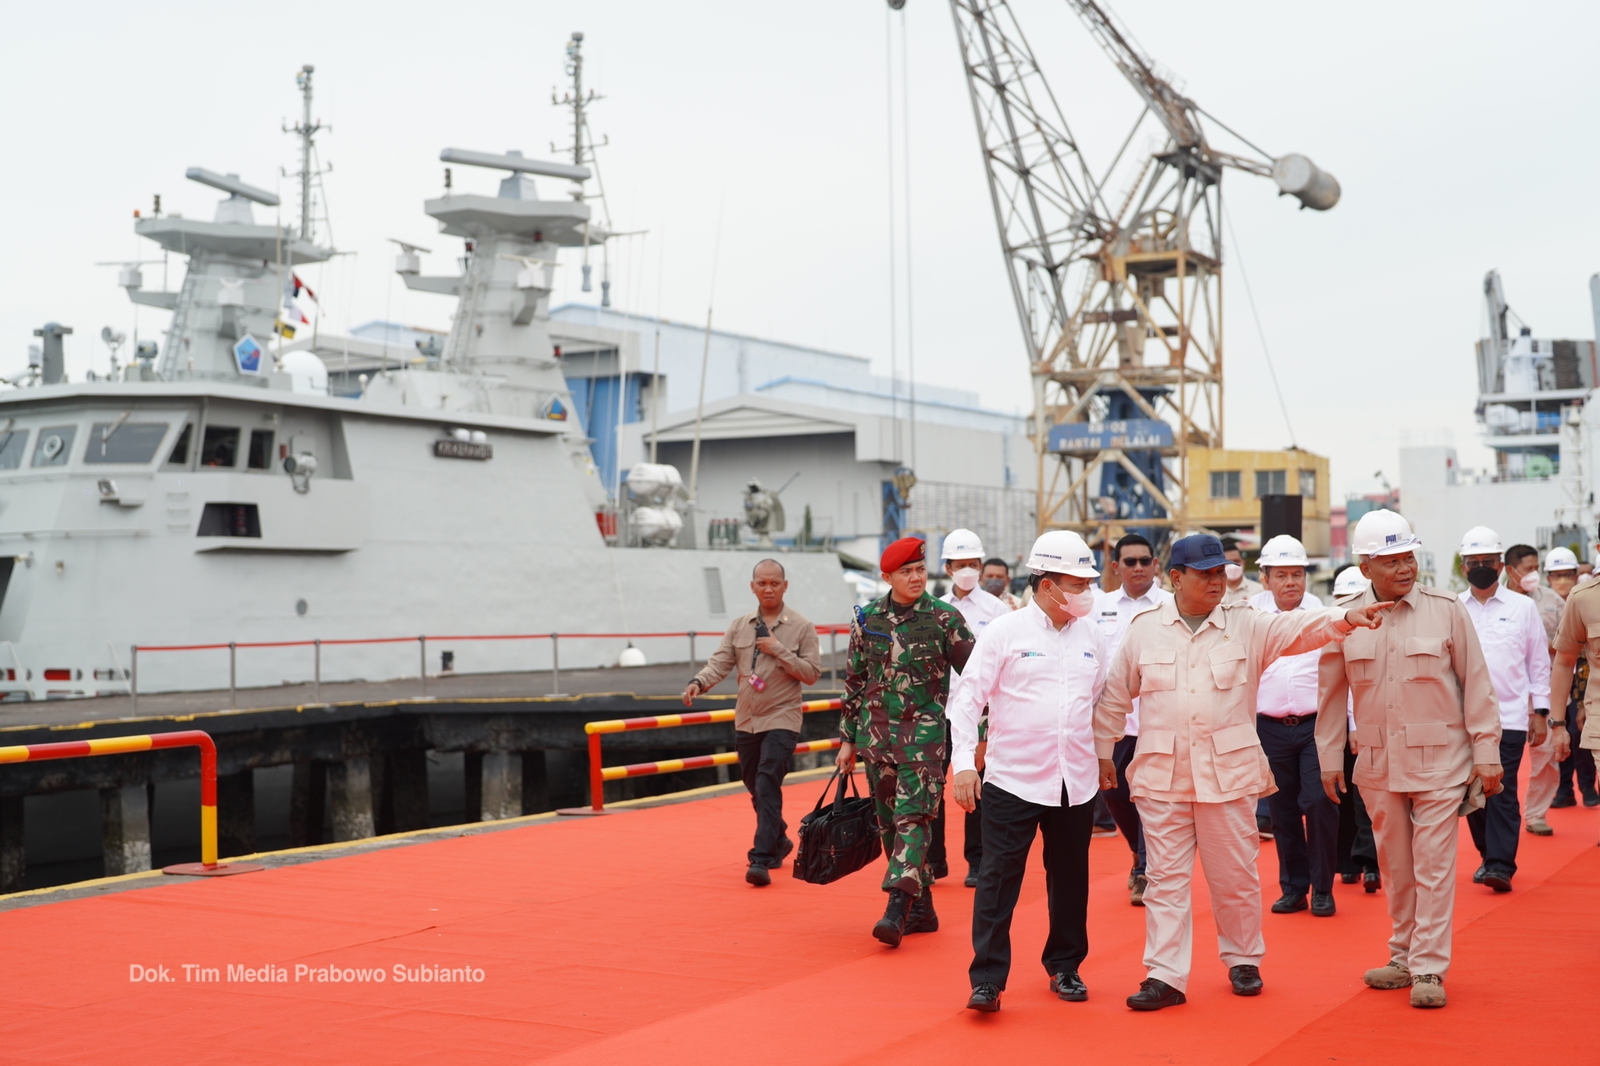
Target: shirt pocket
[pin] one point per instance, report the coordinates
(1228, 665)
(1158, 670)
(1592, 643)
(1361, 660)
(1428, 747)
(1236, 757)
(1425, 660)
(1153, 761)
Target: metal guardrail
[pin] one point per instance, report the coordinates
(599, 775)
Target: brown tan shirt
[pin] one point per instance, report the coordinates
(800, 664)
(1424, 707)
(1579, 634)
(1197, 698)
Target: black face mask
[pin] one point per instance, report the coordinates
(1482, 577)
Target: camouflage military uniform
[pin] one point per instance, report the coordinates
(896, 683)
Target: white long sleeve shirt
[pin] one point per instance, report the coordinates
(1113, 611)
(1289, 685)
(1040, 685)
(1517, 651)
(978, 608)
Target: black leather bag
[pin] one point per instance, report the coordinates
(838, 839)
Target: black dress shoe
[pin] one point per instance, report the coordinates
(1564, 799)
(985, 997)
(1349, 879)
(1372, 880)
(941, 870)
(1322, 904)
(1591, 798)
(972, 877)
(1477, 877)
(1497, 879)
(892, 926)
(783, 853)
(1288, 903)
(922, 918)
(1153, 995)
(1069, 986)
(757, 875)
(1246, 980)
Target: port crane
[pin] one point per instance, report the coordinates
(1116, 270)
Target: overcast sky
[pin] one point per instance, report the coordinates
(1462, 134)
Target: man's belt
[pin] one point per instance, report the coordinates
(1291, 719)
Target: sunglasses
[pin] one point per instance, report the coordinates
(1143, 560)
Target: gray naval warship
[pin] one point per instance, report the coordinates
(212, 492)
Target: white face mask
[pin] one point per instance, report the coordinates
(966, 579)
(1234, 572)
(1530, 581)
(1081, 604)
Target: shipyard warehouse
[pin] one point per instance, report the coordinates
(391, 460)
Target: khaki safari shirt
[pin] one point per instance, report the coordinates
(1424, 707)
(800, 664)
(1579, 634)
(1197, 698)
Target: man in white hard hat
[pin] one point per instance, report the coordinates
(1427, 733)
(1305, 826)
(1518, 654)
(1358, 853)
(1561, 570)
(1039, 671)
(962, 555)
(1133, 561)
(1241, 589)
(1578, 635)
(1194, 664)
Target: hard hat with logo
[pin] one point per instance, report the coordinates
(1061, 551)
(1560, 559)
(1383, 532)
(1481, 540)
(1282, 550)
(1350, 580)
(961, 544)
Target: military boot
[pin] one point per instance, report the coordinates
(892, 926)
(923, 919)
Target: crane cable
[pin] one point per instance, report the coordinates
(1260, 333)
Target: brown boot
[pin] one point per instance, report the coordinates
(1427, 990)
(1136, 893)
(1394, 975)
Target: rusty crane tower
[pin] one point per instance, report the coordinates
(1116, 270)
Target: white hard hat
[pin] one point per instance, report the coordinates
(1282, 550)
(1560, 559)
(1481, 540)
(1350, 580)
(961, 544)
(1061, 551)
(1383, 532)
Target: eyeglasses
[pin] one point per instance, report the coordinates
(1143, 560)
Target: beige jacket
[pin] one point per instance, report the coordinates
(801, 664)
(1424, 707)
(1197, 698)
(1579, 634)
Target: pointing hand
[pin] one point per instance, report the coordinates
(1368, 617)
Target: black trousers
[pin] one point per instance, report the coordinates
(1358, 851)
(1121, 804)
(972, 826)
(1578, 763)
(1498, 827)
(1305, 823)
(763, 763)
(1009, 826)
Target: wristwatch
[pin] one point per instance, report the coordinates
(1542, 712)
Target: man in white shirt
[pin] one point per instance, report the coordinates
(1133, 561)
(1522, 578)
(1039, 670)
(1518, 655)
(1305, 823)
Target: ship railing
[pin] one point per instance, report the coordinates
(599, 775)
(421, 641)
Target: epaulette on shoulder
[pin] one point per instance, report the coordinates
(1588, 588)
(1429, 590)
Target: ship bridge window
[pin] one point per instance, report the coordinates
(180, 450)
(260, 457)
(55, 444)
(230, 520)
(129, 442)
(220, 446)
(13, 445)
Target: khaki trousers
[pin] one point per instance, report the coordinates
(1226, 837)
(1416, 837)
(1543, 777)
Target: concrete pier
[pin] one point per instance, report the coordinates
(350, 791)
(125, 828)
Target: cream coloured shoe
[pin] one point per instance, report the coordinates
(1393, 975)
(1427, 990)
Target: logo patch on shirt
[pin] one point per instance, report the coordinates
(1030, 655)
(1089, 655)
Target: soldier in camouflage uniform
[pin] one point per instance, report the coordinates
(903, 649)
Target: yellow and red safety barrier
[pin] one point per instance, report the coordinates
(208, 866)
(599, 775)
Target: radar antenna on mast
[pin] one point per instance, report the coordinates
(307, 129)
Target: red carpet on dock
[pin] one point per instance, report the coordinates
(633, 939)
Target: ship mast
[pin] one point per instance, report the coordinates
(306, 130)
(583, 151)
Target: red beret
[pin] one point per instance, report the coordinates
(903, 551)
